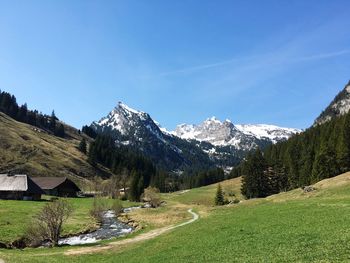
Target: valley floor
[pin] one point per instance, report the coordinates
(288, 227)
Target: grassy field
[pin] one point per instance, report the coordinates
(288, 227)
(15, 216)
(204, 196)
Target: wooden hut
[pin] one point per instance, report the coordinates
(57, 186)
(19, 187)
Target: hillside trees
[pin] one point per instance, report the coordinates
(123, 161)
(9, 106)
(82, 146)
(203, 177)
(255, 182)
(89, 131)
(320, 152)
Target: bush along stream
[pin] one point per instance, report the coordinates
(110, 227)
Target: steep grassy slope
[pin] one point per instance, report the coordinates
(28, 149)
(288, 227)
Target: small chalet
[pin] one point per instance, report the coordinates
(19, 187)
(57, 186)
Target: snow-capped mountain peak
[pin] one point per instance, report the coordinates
(125, 119)
(226, 133)
(213, 140)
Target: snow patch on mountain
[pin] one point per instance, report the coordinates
(226, 133)
(271, 132)
(164, 130)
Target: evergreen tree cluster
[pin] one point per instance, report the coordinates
(89, 131)
(9, 106)
(83, 146)
(203, 177)
(320, 152)
(142, 172)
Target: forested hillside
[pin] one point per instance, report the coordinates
(9, 106)
(33, 151)
(320, 152)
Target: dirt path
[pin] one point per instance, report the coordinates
(142, 237)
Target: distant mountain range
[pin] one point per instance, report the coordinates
(241, 136)
(211, 143)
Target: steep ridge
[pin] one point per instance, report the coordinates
(339, 106)
(31, 150)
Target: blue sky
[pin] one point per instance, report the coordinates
(276, 62)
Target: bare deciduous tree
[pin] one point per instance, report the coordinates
(47, 225)
(99, 206)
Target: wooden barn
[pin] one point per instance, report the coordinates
(57, 186)
(19, 187)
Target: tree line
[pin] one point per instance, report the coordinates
(320, 152)
(139, 171)
(9, 106)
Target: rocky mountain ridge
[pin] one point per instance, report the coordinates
(211, 143)
(339, 106)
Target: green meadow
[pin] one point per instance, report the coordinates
(288, 227)
(16, 215)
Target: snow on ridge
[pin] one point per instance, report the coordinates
(212, 130)
(213, 119)
(126, 107)
(225, 133)
(272, 132)
(163, 130)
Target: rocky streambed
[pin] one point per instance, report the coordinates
(110, 227)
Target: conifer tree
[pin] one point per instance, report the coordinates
(59, 131)
(255, 182)
(82, 146)
(219, 197)
(52, 123)
(135, 190)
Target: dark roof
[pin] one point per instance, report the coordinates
(33, 187)
(19, 183)
(49, 183)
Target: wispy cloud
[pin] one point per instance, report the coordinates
(200, 67)
(254, 60)
(323, 55)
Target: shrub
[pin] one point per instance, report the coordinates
(117, 207)
(99, 206)
(236, 201)
(151, 195)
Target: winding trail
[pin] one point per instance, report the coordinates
(142, 237)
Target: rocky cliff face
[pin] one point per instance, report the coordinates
(339, 106)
